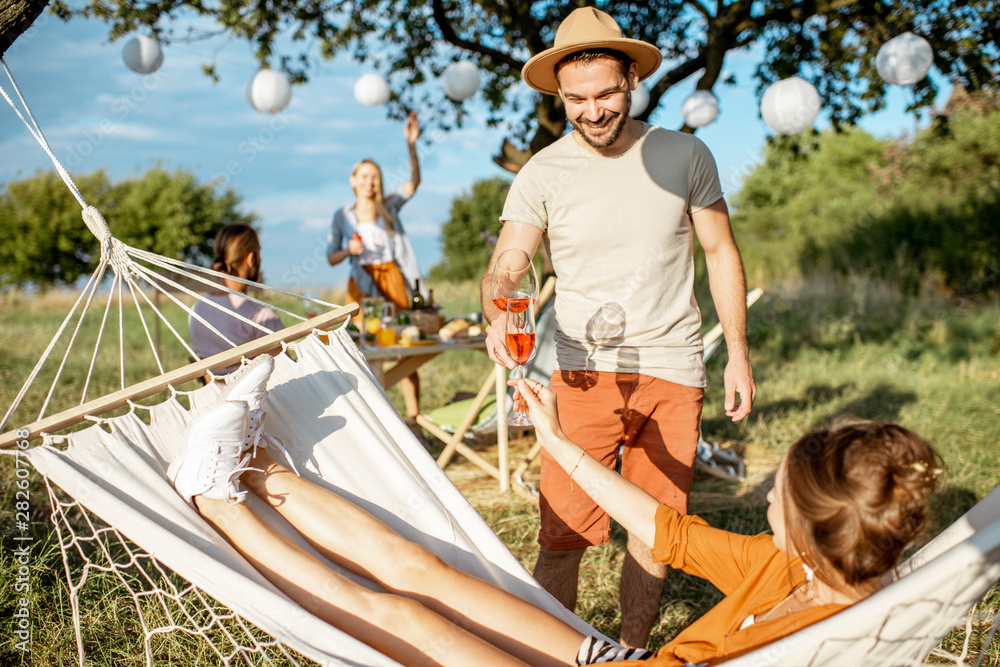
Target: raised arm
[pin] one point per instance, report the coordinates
(513, 235)
(729, 292)
(626, 503)
(412, 132)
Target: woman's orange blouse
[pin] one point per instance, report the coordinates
(752, 573)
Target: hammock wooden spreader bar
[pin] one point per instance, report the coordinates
(99, 406)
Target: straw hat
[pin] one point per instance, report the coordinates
(587, 28)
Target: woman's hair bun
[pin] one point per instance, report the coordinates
(857, 495)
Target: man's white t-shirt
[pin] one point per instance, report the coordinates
(619, 235)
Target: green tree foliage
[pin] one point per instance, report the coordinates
(44, 241)
(939, 212)
(830, 42)
(172, 214)
(468, 237)
(909, 212)
(807, 191)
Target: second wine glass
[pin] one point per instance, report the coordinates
(519, 339)
(514, 279)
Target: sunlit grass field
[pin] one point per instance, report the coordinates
(820, 351)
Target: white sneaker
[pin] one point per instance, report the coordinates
(212, 456)
(249, 385)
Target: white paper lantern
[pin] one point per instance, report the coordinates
(904, 60)
(269, 91)
(460, 80)
(371, 90)
(790, 106)
(142, 54)
(640, 100)
(700, 108)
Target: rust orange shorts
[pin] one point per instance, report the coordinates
(657, 422)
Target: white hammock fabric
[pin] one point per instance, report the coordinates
(344, 434)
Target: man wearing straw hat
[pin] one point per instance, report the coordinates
(615, 202)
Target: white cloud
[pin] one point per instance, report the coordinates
(423, 228)
(312, 212)
(450, 159)
(137, 132)
(357, 126)
(444, 190)
(30, 159)
(317, 222)
(318, 149)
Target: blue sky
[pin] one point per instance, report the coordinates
(292, 169)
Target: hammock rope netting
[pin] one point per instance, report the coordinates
(164, 603)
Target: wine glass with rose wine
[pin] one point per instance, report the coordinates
(519, 339)
(514, 283)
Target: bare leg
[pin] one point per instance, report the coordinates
(401, 628)
(410, 387)
(359, 542)
(558, 572)
(640, 591)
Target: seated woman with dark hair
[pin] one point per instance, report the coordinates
(237, 253)
(845, 503)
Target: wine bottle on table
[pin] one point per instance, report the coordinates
(418, 298)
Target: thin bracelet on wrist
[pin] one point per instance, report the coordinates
(582, 454)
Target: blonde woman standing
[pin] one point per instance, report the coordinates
(370, 234)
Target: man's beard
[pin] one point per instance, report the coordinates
(615, 121)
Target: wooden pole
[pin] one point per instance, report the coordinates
(501, 389)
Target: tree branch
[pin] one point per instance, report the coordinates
(792, 14)
(700, 8)
(449, 35)
(16, 16)
(668, 80)
(551, 118)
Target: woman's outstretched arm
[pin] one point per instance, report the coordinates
(625, 502)
(412, 131)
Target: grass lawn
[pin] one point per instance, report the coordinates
(819, 352)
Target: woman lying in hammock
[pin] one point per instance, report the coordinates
(844, 505)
